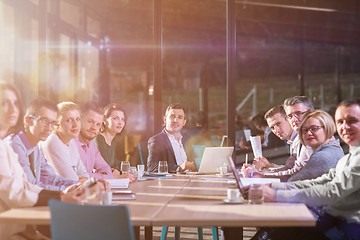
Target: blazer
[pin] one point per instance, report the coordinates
(160, 149)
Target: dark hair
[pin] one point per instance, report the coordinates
(91, 106)
(108, 110)
(299, 99)
(349, 102)
(259, 119)
(277, 109)
(174, 106)
(35, 105)
(9, 86)
(202, 119)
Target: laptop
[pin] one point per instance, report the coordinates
(213, 158)
(238, 179)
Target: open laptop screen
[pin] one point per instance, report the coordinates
(237, 179)
(213, 158)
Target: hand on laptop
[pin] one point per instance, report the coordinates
(187, 166)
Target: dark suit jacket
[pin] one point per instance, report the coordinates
(160, 149)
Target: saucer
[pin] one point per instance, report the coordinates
(238, 201)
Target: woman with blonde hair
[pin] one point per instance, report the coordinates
(60, 147)
(317, 130)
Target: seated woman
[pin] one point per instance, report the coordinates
(15, 190)
(114, 123)
(317, 131)
(60, 147)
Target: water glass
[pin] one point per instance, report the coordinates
(163, 167)
(105, 198)
(132, 170)
(92, 195)
(124, 167)
(256, 195)
(141, 169)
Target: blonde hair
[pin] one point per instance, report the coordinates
(64, 107)
(325, 120)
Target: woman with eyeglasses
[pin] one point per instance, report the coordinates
(15, 190)
(60, 148)
(317, 130)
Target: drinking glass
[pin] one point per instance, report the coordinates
(141, 169)
(256, 195)
(124, 167)
(105, 198)
(92, 195)
(163, 167)
(132, 170)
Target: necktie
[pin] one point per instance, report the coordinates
(32, 163)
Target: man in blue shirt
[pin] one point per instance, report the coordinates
(39, 122)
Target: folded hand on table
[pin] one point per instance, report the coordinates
(71, 194)
(248, 170)
(269, 193)
(126, 175)
(261, 163)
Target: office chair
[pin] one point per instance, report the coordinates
(73, 221)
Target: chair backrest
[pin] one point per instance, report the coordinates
(199, 151)
(73, 221)
(143, 153)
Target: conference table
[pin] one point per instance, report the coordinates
(185, 201)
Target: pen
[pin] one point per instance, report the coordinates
(246, 159)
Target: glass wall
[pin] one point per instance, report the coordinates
(104, 50)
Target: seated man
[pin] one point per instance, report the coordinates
(167, 145)
(91, 119)
(16, 192)
(295, 108)
(39, 121)
(335, 195)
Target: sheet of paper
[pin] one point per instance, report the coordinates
(247, 133)
(248, 181)
(256, 146)
(119, 183)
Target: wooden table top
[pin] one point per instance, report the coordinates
(186, 201)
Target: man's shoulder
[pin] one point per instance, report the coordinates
(19, 140)
(160, 135)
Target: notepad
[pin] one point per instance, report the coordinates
(119, 183)
(118, 195)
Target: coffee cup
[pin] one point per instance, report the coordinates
(223, 170)
(233, 194)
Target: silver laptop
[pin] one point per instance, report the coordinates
(213, 158)
(238, 179)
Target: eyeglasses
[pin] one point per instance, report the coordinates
(44, 121)
(312, 129)
(297, 114)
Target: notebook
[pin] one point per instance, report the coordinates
(213, 158)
